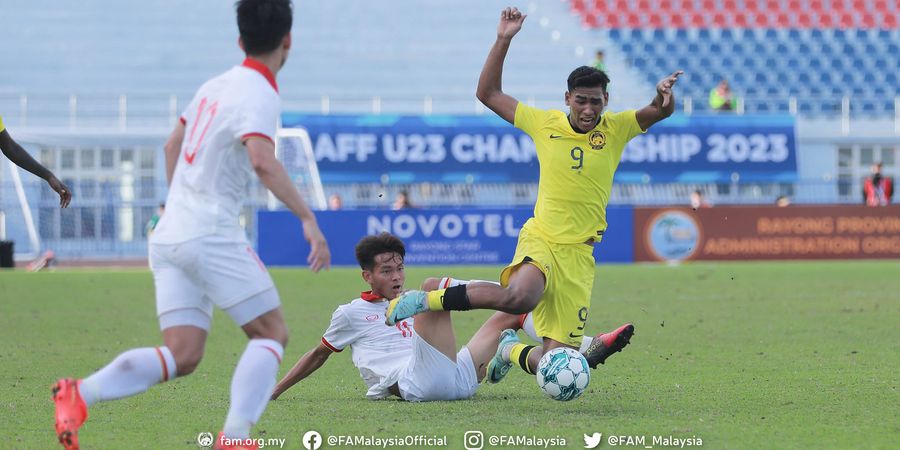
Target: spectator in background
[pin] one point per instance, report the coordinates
(721, 97)
(154, 219)
(335, 202)
(402, 201)
(878, 189)
(698, 200)
(598, 61)
(782, 201)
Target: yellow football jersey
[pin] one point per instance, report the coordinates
(576, 170)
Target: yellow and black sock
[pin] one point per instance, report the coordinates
(518, 355)
(450, 299)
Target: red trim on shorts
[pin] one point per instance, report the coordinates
(251, 63)
(256, 257)
(165, 366)
(522, 318)
(277, 356)
(259, 135)
(447, 283)
(330, 347)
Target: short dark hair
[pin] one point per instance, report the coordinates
(585, 76)
(263, 24)
(371, 246)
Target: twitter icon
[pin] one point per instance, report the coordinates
(593, 440)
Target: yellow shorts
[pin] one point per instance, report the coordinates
(569, 271)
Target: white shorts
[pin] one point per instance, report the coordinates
(208, 271)
(431, 375)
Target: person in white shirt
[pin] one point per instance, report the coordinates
(416, 359)
(199, 253)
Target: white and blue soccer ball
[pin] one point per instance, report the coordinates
(563, 374)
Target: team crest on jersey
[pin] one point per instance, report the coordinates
(597, 140)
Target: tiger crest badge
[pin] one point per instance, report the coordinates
(597, 140)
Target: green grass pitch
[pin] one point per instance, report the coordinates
(740, 355)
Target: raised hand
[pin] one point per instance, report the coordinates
(664, 87)
(510, 22)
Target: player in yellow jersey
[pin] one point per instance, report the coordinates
(12, 150)
(552, 271)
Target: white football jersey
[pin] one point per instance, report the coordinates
(213, 169)
(380, 352)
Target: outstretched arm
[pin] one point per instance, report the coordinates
(490, 90)
(662, 106)
(309, 363)
(274, 177)
(21, 158)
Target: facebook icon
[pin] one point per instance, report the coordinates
(312, 440)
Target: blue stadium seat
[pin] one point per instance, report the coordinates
(773, 63)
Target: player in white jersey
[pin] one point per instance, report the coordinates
(199, 254)
(416, 359)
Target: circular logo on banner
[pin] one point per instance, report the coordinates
(673, 235)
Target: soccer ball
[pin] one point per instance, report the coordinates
(563, 374)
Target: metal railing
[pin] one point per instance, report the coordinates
(148, 110)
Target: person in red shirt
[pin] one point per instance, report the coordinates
(878, 189)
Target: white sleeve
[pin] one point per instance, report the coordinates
(258, 117)
(340, 332)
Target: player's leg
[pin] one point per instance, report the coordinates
(523, 283)
(436, 328)
(436, 371)
(255, 374)
(559, 319)
(183, 319)
(240, 284)
(519, 296)
(483, 344)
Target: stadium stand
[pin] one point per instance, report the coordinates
(798, 56)
(99, 49)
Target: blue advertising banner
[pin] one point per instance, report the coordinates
(455, 149)
(713, 148)
(432, 236)
(405, 149)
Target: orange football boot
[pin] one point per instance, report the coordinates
(71, 412)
